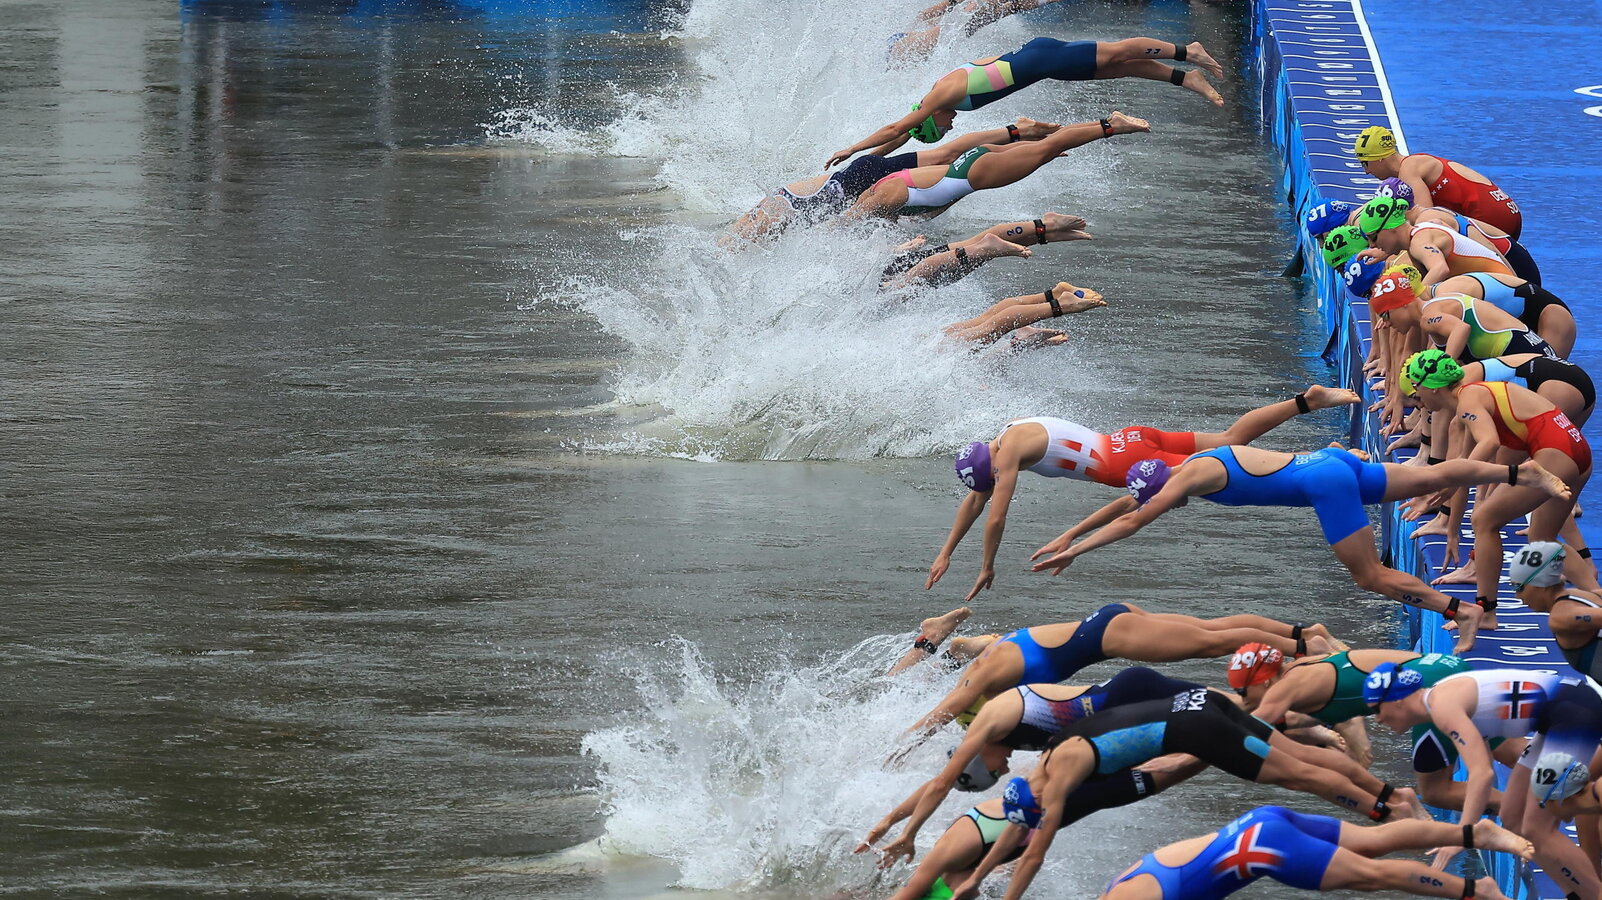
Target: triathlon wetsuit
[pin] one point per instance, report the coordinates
(1466, 254)
(991, 79)
(1563, 711)
(1074, 451)
(1290, 847)
(1044, 665)
(951, 187)
(1483, 343)
(1485, 202)
(1336, 484)
(1041, 719)
(1549, 430)
(1538, 370)
(1200, 722)
(1526, 302)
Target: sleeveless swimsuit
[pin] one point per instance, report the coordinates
(1074, 451)
(1042, 718)
(1290, 847)
(1046, 665)
(1525, 302)
(1484, 343)
(1519, 258)
(951, 187)
(1563, 711)
(1336, 484)
(1584, 660)
(1346, 700)
(1467, 254)
(844, 186)
(1538, 370)
(1200, 722)
(1546, 430)
(1485, 202)
(991, 79)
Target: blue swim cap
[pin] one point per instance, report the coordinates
(1145, 478)
(973, 467)
(1360, 275)
(1326, 216)
(1390, 682)
(1018, 802)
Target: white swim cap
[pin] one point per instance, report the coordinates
(974, 777)
(1540, 563)
(1558, 776)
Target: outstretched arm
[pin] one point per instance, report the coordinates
(1428, 249)
(995, 525)
(1172, 495)
(967, 513)
(1119, 507)
(884, 135)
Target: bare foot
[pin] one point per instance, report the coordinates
(1031, 130)
(1490, 836)
(1122, 124)
(992, 246)
(913, 244)
(1196, 53)
(1028, 337)
(1413, 438)
(1418, 459)
(1077, 299)
(1196, 81)
(1467, 623)
(1319, 631)
(939, 628)
(1057, 223)
(1416, 810)
(1532, 475)
(1321, 397)
(1463, 574)
(1436, 525)
(1317, 645)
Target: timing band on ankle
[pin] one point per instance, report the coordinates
(1106, 128)
(1424, 440)
(1040, 230)
(1301, 647)
(1386, 791)
(1486, 603)
(1512, 474)
(1180, 51)
(1176, 77)
(1056, 308)
(1583, 552)
(1436, 460)
(1468, 837)
(1451, 607)
(1012, 134)
(962, 254)
(1301, 404)
(1296, 632)
(926, 645)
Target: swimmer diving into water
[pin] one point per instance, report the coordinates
(1336, 483)
(985, 81)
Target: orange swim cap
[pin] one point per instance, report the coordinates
(1254, 664)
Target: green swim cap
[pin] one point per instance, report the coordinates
(926, 131)
(1343, 243)
(1381, 213)
(1433, 369)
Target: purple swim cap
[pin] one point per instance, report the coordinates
(1146, 478)
(973, 467)
(1397, 188)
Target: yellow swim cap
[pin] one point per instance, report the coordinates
(1376, 142)
(965, 718)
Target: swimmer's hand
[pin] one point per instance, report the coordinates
(1444, 856)
(840, 156)
(986, 578)
(901, 846)
(1055, 545)
(873, 836)
(1373, 253)
(937, 570)
(966, 891)
(1056, 563)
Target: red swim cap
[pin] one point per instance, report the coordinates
(1393, 290)
(1254, 664)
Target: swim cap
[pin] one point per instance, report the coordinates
(974, 777)
(926, 131)
(1326, 216)
(1145, 478)
(1360, 275)
(1254, 664)
(1392, 290)
(1381, 213)
(1432, 368)
(1404, 383)
(1395, 187)
(966, 717)
(1018, 802)
(1559, 776)
(1341, 244)
(1540, 563)
(1390, 682)
(1376, 142)
(973, 467)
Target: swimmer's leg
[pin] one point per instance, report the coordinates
(1356, 552)
(959, 260)
(1109, 53)
(966, 648)
(1159, 638)
(1010, 163)
(768, 217)
(1350, 871)
(1191, 81)
(1016, 312)
(953, 856)
(1264, 419)
(1579, 569)
(1313, 633)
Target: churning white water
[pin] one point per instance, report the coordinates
(787, 350)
